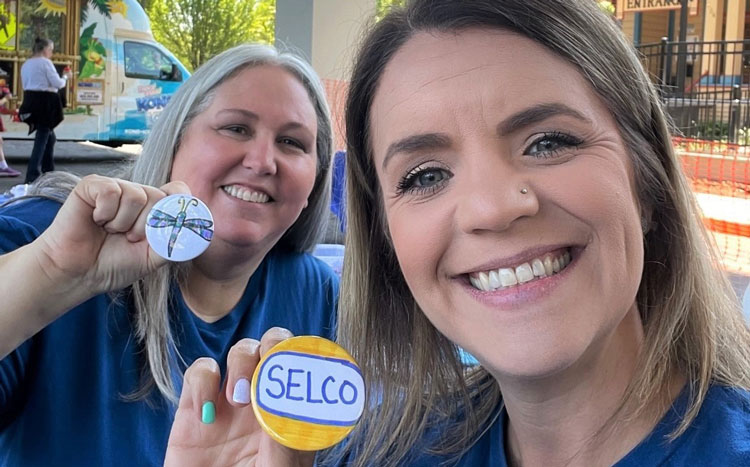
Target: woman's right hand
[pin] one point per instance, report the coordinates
(98, 239)
(230, 435)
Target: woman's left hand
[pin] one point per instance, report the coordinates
(234, 437)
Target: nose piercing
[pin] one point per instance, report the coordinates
(524, 191)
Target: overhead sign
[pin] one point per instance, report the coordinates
(634, 6)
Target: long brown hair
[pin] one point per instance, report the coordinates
(692, 323)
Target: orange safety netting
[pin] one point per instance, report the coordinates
(719, 173)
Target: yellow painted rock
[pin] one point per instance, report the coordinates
(307, 393)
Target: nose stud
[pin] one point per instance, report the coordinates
(524, 191)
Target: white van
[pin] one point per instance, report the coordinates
(122, 80)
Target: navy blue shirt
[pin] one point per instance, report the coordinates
(61, 392)
(719, 436)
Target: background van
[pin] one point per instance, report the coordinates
(122, 79)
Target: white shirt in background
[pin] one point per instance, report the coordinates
(39, 74)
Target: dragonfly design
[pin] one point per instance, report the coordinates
(202, 227)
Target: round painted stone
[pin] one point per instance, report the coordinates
(307, 393)
(179, 227)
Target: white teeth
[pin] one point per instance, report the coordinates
(537, 268)
(524, 273)
(508, 277)
(246, 195)
(494, 280)
(484, 280)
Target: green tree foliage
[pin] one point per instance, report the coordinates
(146, 4)
(383, 6)
(607, 7)
(196, 30)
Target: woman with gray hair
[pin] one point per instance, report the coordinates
(513, 192)
(96, 329)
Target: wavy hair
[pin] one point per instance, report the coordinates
(692, 323)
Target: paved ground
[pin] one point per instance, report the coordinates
(82, 158)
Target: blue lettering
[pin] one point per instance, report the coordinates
(309, 391)
(323, 391)
(152, 102)
(290, 385)
(354, 393)
(275, 380)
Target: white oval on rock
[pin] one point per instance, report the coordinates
(311, 388)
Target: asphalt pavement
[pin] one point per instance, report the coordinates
(81, 158)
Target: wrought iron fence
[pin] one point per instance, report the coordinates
(705, 87)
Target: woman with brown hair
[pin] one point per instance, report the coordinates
(513, 192)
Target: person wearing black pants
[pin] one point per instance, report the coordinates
(43, 153)
(42, 107)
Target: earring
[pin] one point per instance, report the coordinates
(524, 191)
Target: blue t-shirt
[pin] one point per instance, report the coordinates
(61, 392)
(719, 436)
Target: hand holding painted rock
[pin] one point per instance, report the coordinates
(97, 240)
(304, 383)
(179, 227)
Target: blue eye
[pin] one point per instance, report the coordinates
(423, 180)
(430, 177)
(549, 144)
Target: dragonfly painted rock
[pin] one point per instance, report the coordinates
(159, 218)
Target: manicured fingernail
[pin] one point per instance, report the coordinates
(208, 414)
(241, 393)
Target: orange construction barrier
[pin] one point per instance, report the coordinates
(719, 173)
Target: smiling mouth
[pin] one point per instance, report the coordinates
(246, 195)
(504, 278)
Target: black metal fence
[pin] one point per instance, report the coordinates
(705, 86)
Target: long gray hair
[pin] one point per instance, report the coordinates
(692, 324)
(151, 294)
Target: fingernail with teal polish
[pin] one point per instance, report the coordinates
(241, 394)
(208, 415)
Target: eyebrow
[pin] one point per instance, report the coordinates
(416, 143)
(536, 114)
(244, 112)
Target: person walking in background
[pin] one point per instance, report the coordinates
(41, 108)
